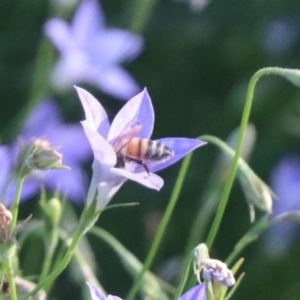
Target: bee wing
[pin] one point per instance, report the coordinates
(126, 136)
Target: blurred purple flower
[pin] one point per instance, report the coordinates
(195, 293)
(91, 53)
(281, 35)
(101, 135)
(97, 294)
(285, 182)
(45, 121)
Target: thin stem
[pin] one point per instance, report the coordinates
(51, 243)
(184, 278)
(248, 238)
(233, 169)
(82, 261)
(162, 226)
(130, 262)
(142, 13)
(16, 202)
(11, 280)
(88, 218)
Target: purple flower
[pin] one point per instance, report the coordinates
(45, 121)
(106, 177)
(92, 53)
(97, 294)
(285, 182)
(195, 293)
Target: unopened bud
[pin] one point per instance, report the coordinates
(216, 270)
(44, 159)
(256, 191)
(54, 210)
(38, 154)
(200, 254)
(5, 219)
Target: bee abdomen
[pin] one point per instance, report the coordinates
(157, 151)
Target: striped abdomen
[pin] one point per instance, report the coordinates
(145, 149)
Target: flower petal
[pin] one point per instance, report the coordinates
(116, 82)
(137, 109)
(113, 46)
(285, 182)
(95, 114)
(69, 183)
(180, 146)
(72, 142)
(103, 152)
(58, 31)
(197, 292)
(151, 180)
(87, 21)
(96, 293)
(45, 110)
(73, 67)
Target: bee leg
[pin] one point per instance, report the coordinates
(140, 162)
(120, 162)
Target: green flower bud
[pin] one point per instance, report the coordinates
(38, 154)
(44, 159)
(54, 210)
(200, 254)
(293, 75)
(256, 191)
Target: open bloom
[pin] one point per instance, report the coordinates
(97, 294)
(92, 53)
(285, 182)
(195, 293)
(45, 122)
(107, 178)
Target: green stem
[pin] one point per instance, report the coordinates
(82, 261)
(87, 220)
(184, 277)
(11, 280)
(132, 264)
(142, 13)
(16, 202)
(51, 247)
(233, 169)
(248, 238)
(162, 226)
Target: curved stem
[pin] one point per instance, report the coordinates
(233, 169)
(248, 238)
(162, 226)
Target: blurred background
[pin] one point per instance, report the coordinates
(197, 60)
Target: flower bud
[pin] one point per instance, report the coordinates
(293, 75)
(256, 191)
(5, 219)
(200, 254)
(38, 154)
(216, 270)
(44, 159)
(54, 210)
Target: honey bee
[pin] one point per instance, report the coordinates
(129, 147)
